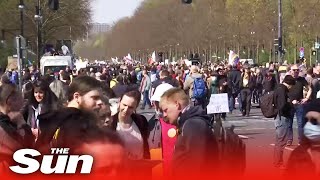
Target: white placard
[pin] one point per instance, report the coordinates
(218, 104)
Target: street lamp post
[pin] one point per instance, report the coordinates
(19, 43)
(38, 18)
(176, 54)
(251, 52)
(21, 8)
(280, 50)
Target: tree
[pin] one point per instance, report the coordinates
(71, 20)
(214, 27)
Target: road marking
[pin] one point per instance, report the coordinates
(147, 113)
(255, 116)
(247, 120)
(287, 148)
(239, 122)
(243, 137)
(251, 129)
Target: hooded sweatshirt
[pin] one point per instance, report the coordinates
(196, 149)
(71, 123)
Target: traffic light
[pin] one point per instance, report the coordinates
(53, 4)
(187, 1)
(278, 44)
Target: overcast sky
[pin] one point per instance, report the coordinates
(109, 11)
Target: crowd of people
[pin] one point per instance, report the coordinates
(72, 109)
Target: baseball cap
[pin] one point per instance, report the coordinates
(160, 90)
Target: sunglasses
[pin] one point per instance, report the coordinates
(295, 70)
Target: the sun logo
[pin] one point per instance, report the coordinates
(65, 164)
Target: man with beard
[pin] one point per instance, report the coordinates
(84, 96)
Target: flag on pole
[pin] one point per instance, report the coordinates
(152, 59)
(115, 60)
(128, 59)
(233, 58)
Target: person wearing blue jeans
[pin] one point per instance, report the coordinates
(233, 79)
(299, 112)
(232, 101)
(145, 87)
(296, 97)
(146, 99)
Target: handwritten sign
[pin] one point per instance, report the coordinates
(218, 104)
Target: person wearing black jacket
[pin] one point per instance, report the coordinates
(196, 149)
(247, 84)
(234, 78)
(284, 107)
(85, 97)
(132, 127)
(222, 85)
(258, 86)
(269, 82)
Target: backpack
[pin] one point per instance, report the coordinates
(232, 149)
(267, 105)
(199, 88)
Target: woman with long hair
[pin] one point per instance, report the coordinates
(246, 85)
(41, 100)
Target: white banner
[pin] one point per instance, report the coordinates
(218, 104)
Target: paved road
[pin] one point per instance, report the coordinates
(258, 133)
